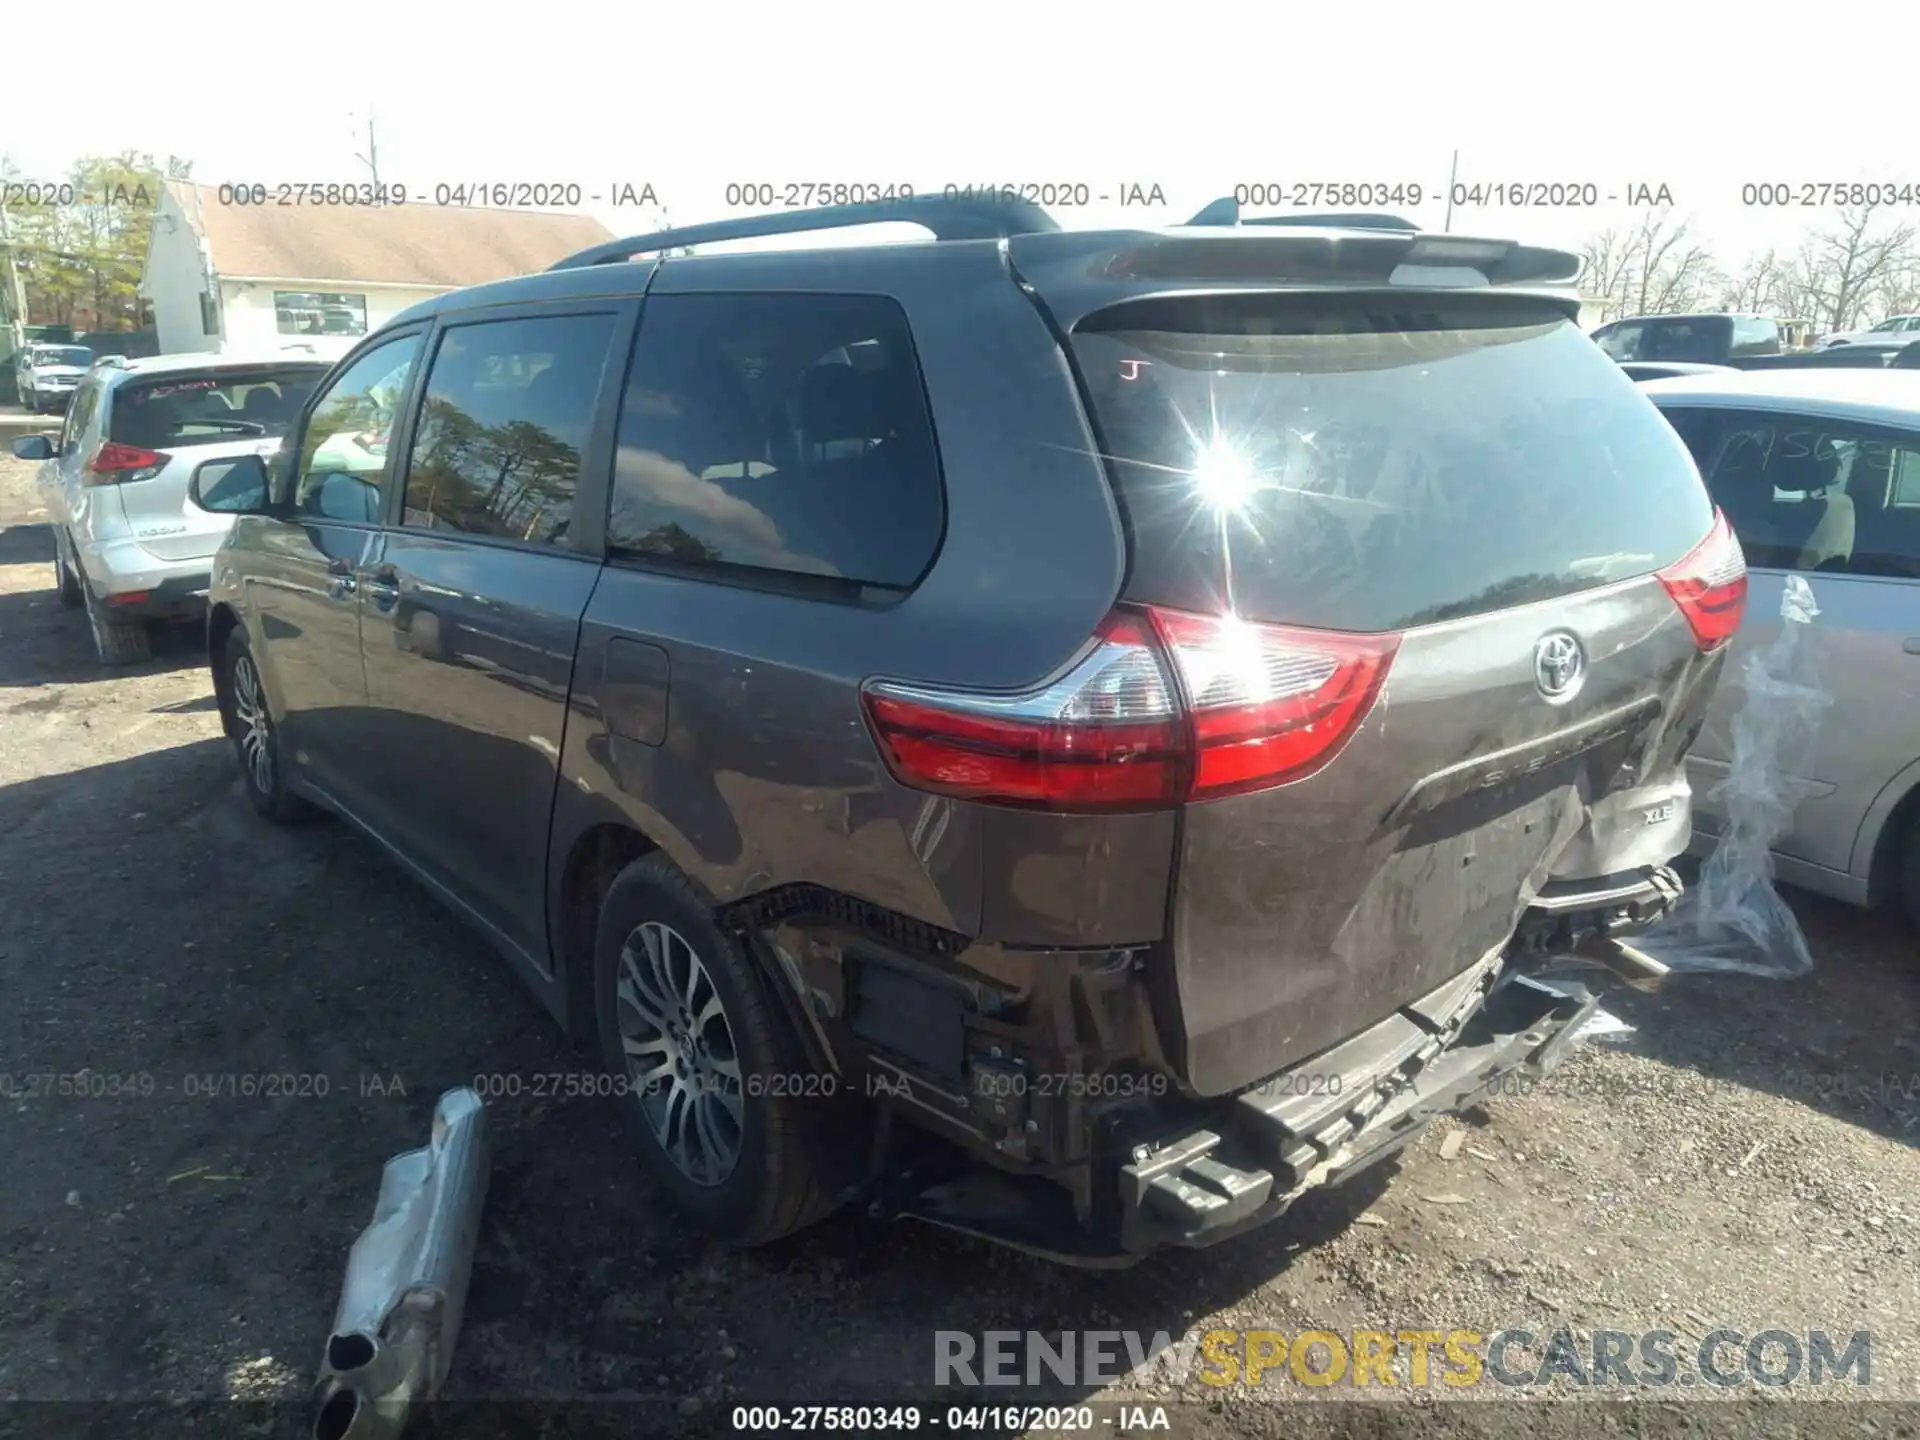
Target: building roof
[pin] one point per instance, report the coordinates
(413, 244)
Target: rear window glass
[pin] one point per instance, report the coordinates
(169, 412)
(1353, 468)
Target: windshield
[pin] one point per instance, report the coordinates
(76, 355)
(172, 411)
(1355, 467)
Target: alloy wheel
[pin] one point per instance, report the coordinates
(682, 1062)
(256, 729)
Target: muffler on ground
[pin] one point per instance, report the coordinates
(406, 1285)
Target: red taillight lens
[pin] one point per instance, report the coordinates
(115, 464)
(1269, 703)
(1107, 735)
(1709, 584)
(1255, 706)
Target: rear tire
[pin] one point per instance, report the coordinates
(117, 639)
(732, 1120)
(256, 739)
(72, 593)
(1910, 875)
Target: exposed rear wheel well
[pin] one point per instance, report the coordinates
(220, 624)
(596, 860)
(1883, 877)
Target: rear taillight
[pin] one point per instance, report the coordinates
(115, 464)
(1268, 703)
(1107, 735)
(1165, 707)
(1709, 584)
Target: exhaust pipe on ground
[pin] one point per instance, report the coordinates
(1629, 964)
(406, 1285)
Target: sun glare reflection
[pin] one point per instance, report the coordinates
(1224, 477)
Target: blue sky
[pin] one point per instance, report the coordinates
(689, 98)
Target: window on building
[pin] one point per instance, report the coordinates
(318, 312)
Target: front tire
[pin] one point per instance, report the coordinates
(731, 1119)
(256, 739)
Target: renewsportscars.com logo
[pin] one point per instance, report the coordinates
(1724, 1358)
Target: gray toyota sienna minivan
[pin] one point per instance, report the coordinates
(1075, 736)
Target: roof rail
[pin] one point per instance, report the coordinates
(1226, 211)
(948, 217)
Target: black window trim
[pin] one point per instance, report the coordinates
(587, 526)
(1728, 413)
(286, 471)
(791, 584)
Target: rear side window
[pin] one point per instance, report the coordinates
(1821, 496)
(80, 414)
(1754, 336)
(172, 412)
(507, 410)
(1364, 466)
(778, 435)
(1702, 338)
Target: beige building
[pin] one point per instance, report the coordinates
(224, 277)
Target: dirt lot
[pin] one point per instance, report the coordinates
(1745, 1158)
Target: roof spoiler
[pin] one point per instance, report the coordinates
(948, 217)
(1226, 211)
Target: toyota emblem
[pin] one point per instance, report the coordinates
(1559, 665)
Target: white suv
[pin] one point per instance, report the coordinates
(128, 543)
(47, 374)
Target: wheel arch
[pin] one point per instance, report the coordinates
(221, 623)
(1894, 811)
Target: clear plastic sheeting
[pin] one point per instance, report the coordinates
(1732, 919)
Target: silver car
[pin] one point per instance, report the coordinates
(1819, 472)
(128, 543)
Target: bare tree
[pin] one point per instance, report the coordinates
(1761, 286)
(1655, 268)
(1844, 271)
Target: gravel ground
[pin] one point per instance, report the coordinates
(1745, 1158)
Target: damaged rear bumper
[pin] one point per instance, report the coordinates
(1344, 1111)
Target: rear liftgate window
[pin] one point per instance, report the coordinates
(1374, 464)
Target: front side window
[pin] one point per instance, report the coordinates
(343, 454)
(505, 418)
(1820, 496)
(783, 434)
(319, 312)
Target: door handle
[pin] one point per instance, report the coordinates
(384, 586)
(340, 581)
